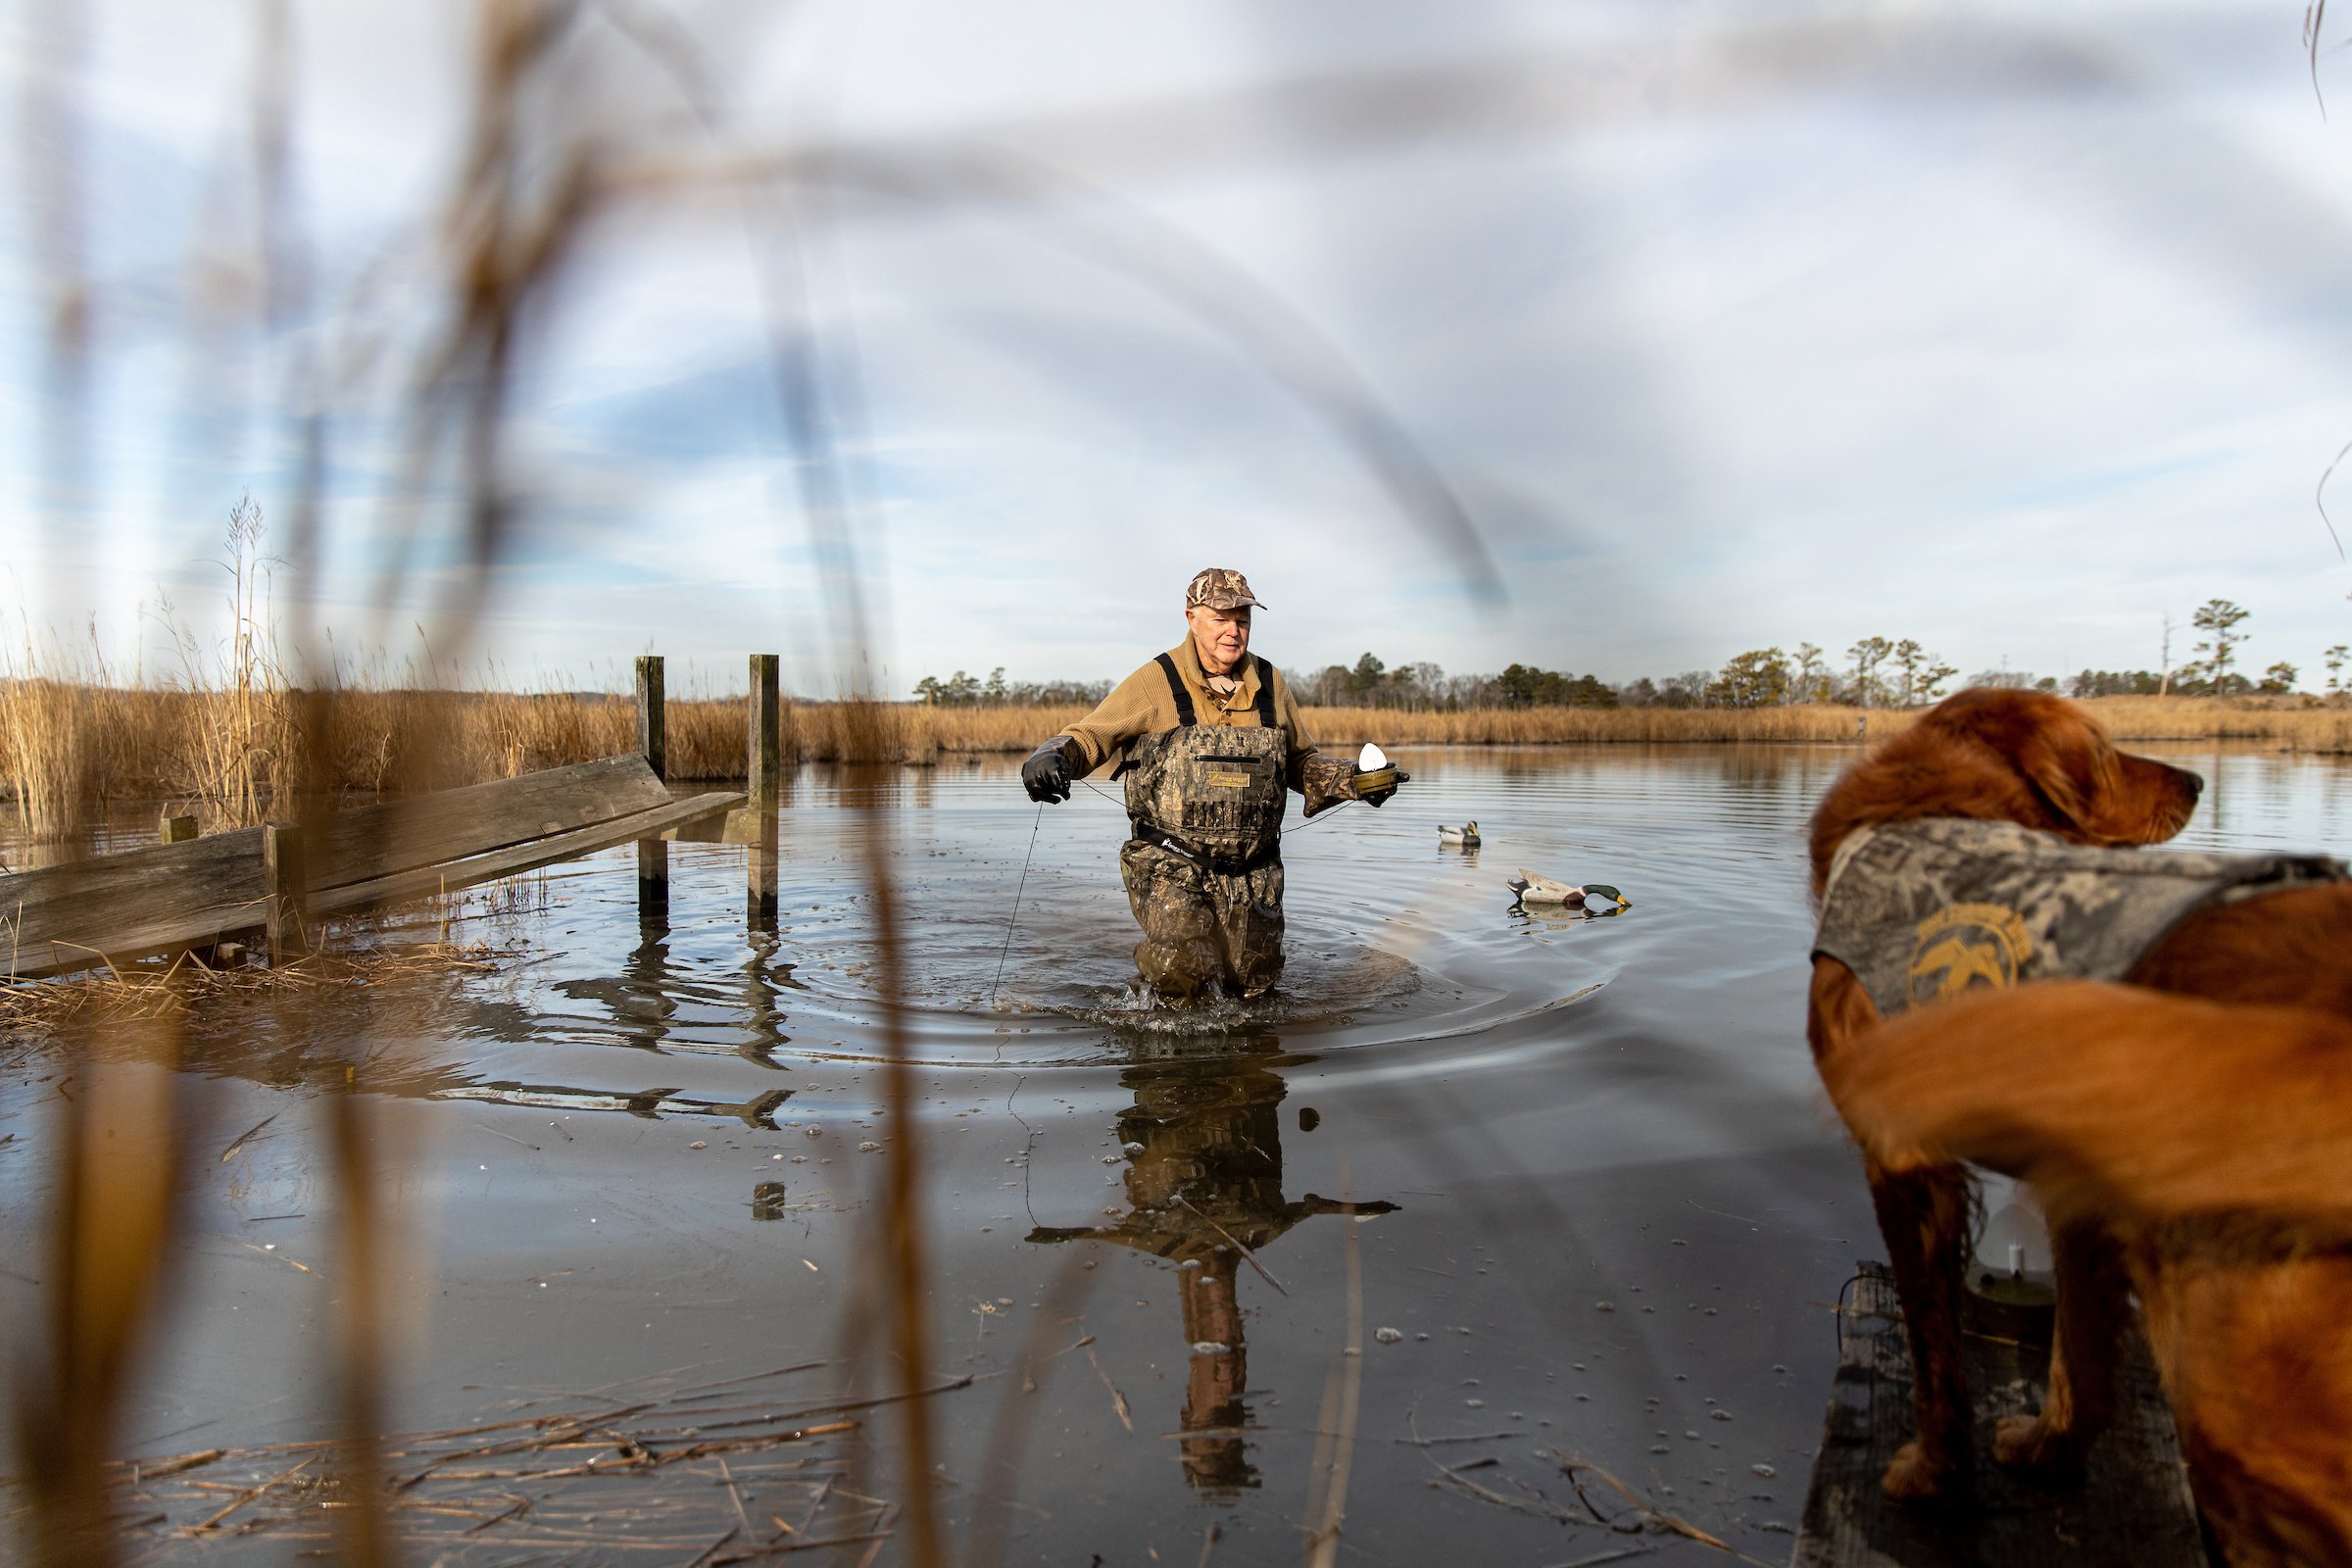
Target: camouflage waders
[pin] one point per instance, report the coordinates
(1203, 871)
(1200, 925)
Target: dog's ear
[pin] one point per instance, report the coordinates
(2074, 767)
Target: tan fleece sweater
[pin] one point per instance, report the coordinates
(1143, 704)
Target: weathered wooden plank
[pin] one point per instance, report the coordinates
(2129, 1508)
(378, 841)
(515, 859)
(198, 929)
(48, 916)
(166, 897)
(123, 923)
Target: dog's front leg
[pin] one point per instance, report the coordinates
(1922, 1216)
(2091, 1310)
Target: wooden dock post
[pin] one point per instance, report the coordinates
(284, 889)
(768, 740)
(762, 766)
(169, 829)
(760, 862)
(653, 741)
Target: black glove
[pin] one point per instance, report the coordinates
(1047, 773)
(1379, 797)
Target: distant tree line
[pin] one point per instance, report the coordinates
(961, 690)
(1875, 672)
(2211, 669)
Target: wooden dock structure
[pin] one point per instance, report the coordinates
(195, 893)
(2128, 1508)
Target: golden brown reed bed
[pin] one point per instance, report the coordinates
(227, 754)
(1553, 726)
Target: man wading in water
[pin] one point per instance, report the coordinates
(1209, 739)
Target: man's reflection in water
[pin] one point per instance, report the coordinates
(1209, 1175)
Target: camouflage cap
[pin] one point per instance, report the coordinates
(1220, 588)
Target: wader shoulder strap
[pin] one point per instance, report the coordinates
(1266, 691)
(1184, 719)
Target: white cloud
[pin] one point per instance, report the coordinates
(1732, 325)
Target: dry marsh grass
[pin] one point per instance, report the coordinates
(230, 754)
(1551, 726)
(2288, 723)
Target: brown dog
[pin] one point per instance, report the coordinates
(2044, 764)
(2212, 1145)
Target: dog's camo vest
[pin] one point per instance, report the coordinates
(1929, 909)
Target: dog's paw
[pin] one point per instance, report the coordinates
(1914, 1477)
(2033, 1441)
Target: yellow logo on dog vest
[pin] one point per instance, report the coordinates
(1967, 946)
(1229, 781)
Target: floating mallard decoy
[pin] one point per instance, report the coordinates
(1533, 889)
(1464, 837)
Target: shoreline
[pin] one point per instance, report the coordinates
(227, 754)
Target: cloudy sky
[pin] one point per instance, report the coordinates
(1608, 337)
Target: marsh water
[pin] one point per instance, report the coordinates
(1568, 1181)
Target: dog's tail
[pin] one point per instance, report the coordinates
(2113, 1100)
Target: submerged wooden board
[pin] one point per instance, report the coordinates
(2128, 1508)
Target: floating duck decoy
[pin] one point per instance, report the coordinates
(1533, 889)
(1464, 837)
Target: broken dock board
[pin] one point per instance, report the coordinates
(2128, 1508)
(166, 897)
(393, 836)
(517, 859)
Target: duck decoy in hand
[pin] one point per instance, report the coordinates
(1533, 889)
(1464, 837)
